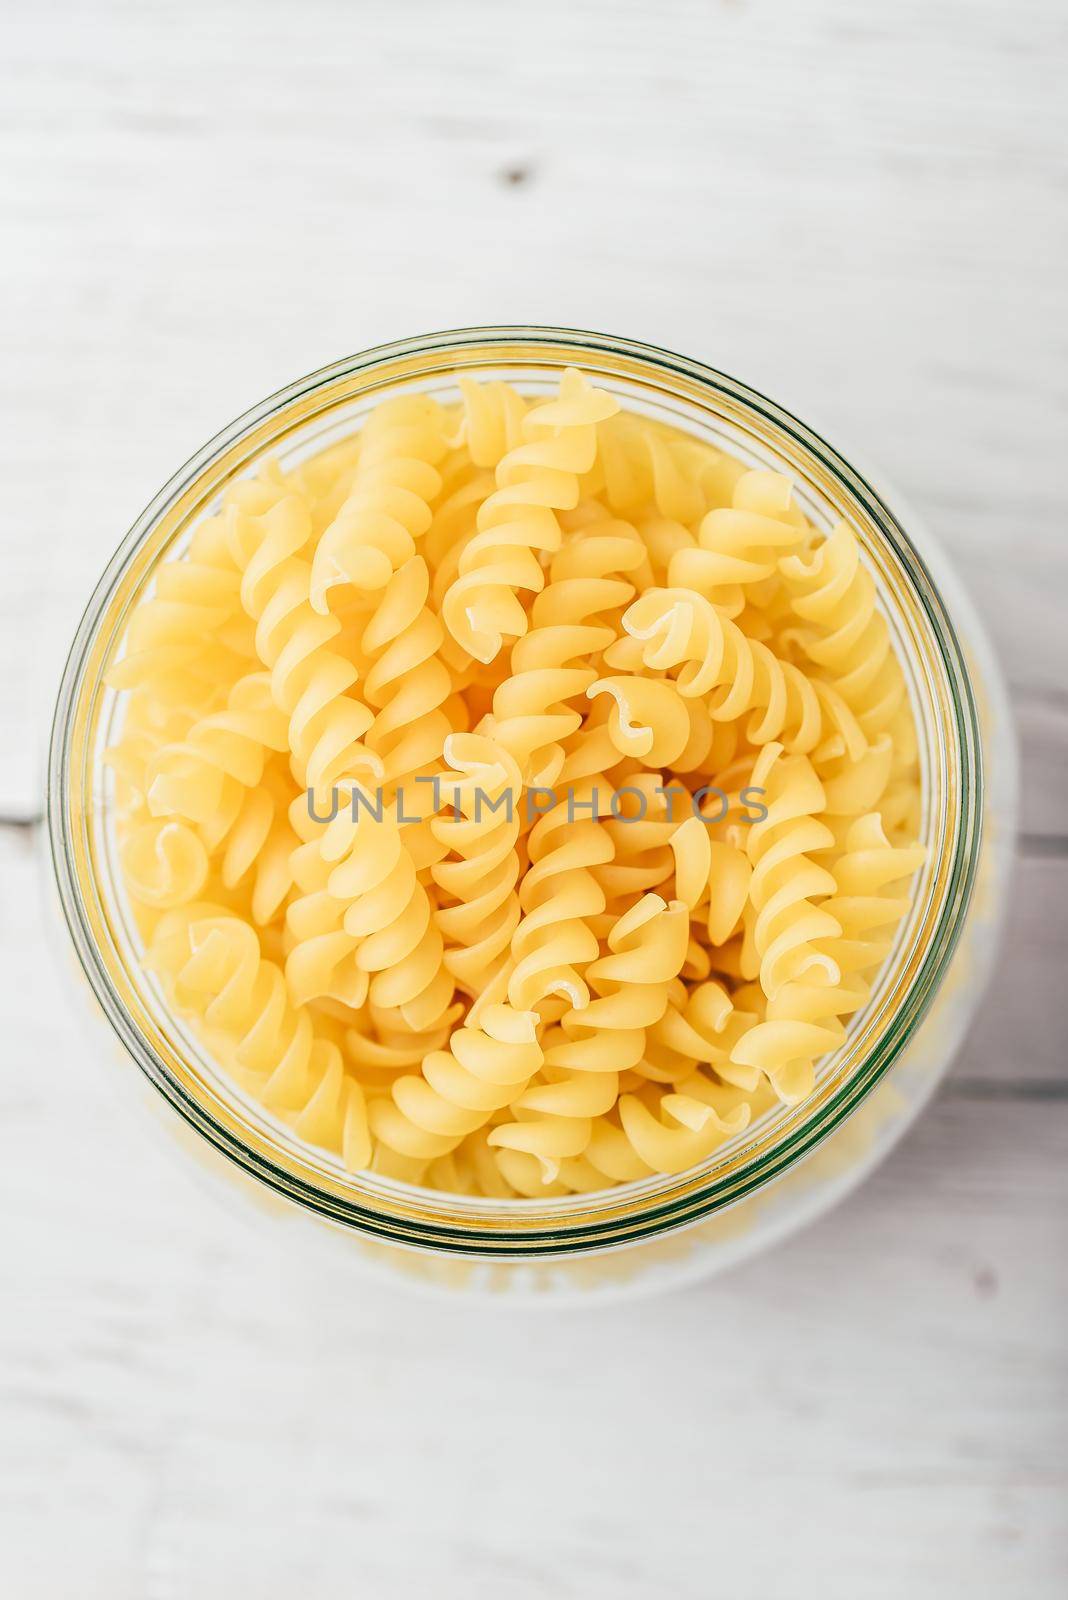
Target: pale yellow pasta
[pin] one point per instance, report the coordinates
(491, 421)
(834, 592)
(741, 678)
(517, 797)
(406, 682)
(164, 862)
(599, 1039)
(478, 874)
(388, 505)
(535, 707)
(183, 640)
(311, 672)
(499, 564)
(212, 968)
(484, 1069)
(559, 896)
(201, 775)
(741, 545)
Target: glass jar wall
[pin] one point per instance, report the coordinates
(795, 1160)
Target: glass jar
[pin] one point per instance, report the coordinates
(796, 1160)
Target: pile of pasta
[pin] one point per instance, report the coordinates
(625, 778)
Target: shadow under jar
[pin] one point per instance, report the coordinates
(792, 1162)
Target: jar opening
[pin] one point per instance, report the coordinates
(302, 420)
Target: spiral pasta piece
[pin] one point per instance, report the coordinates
(712, 874)
(868, 868)
(559, 895)
(534, 480)
(640, 828)
(388, 508)
(786, 883)
(321, 961)
(648, 720)
(254, 840)
(406, 683)
(849, 637)
(453, 525)
(645, 468)
(532, 710)
(310, 680)
(596, 1042)
(689, 1127)
(743, 678)
(662, 538)
(802, 1023)
(164, 862)
(481, 870)
(191, 632)
(388, 912)
(491, 421)
(227, 748)
(484, 1068)
(212, 968)
(743, 544)
(379, 1049)
(796, 941)
(699, 1030)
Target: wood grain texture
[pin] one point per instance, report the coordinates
(862, 210)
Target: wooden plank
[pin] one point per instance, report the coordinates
(1042, 727)
(1018, 1036)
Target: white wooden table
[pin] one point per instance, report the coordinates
(862, 210)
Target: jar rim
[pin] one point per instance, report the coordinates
(428, 1219)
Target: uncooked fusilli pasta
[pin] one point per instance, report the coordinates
(518, 797)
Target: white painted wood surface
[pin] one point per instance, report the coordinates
(862, 210)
